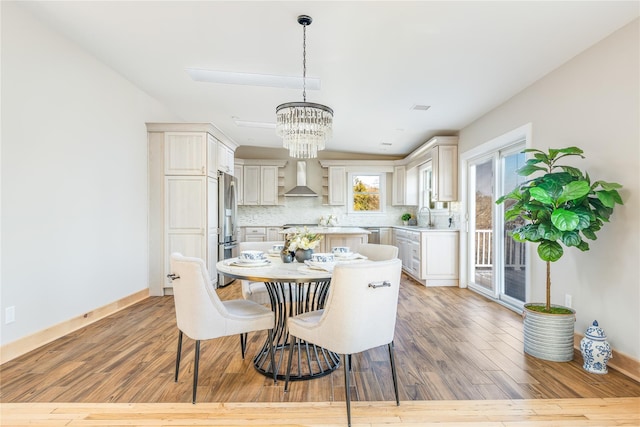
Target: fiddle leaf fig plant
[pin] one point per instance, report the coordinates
(560, 207)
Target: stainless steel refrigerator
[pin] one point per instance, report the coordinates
(227, 214)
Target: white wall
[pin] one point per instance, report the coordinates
(592, 102)
(74, 179)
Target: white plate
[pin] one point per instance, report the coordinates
(349, 255)
(256, 263)
(274, 253)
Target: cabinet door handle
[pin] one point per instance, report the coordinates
(173, 276)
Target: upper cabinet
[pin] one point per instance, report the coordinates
(261, 182)
(238, 172)
(444, 160)
(225, 159)
(189, 153)
(337, 186)
(405, 186)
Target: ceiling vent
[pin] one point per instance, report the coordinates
(418, 107)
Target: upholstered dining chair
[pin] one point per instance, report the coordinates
(377, 252)
(256, 291)
(360, 314)
(201, 315)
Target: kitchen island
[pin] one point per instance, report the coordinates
(337, 236)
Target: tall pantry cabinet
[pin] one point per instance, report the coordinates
(183, 197)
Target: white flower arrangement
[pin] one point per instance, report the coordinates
(302, 239)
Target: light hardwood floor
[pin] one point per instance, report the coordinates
(460, 362)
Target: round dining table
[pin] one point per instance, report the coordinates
(293, 288)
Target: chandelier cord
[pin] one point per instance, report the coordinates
(304, 62)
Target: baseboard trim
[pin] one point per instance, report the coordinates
(621, 362)
(24, 345)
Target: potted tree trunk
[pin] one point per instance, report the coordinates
(559, 206)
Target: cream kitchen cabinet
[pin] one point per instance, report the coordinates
(238, 172)
(405, 186)
(261, 182)
(337, 182)
(225, 159)
(191, 220)
(430, 257)
(255, 234)
(182, 197)
(329, 241)
(260, 185)
(189, 153)
(444, 161)
(439, 254)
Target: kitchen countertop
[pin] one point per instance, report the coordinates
(420, 228)
(333, 230)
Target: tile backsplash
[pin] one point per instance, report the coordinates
(308, 210)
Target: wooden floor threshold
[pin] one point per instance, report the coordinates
(485, 413)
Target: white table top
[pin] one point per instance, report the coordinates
(275, 271)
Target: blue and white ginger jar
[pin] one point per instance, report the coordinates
(596, 351)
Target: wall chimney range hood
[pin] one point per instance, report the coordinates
(301, 189)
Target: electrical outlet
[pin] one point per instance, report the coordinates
(10, 314)
(568, 300)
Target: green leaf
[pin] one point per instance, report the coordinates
(573, 191)
(606, 185)
(565, 220)
(529, 169)
(589, 234)
(570, 150)
(585, 216)
(572, 171)
(541, 195)
(550, 251)
(548, 232)
(583, 246)
(572, 238)
(607, 198)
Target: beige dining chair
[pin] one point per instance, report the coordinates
(360, 314)
(256, 291)
(376, 252)
(201, 315)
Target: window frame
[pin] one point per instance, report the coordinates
(383, 192)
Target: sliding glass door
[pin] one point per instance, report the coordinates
(496, 262)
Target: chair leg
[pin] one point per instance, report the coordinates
(350, 364)
(273, 357)
(243, 344)
(195, 371)
(347, 388)
(393, 372)
(292, 344)
(178, 355)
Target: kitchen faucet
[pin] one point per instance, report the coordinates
(421, 212)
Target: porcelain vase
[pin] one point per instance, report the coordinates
(303, 254)
(595, 349)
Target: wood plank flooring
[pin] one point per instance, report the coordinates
(454, 349)
(485, 413)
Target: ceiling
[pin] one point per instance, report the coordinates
(375, 60)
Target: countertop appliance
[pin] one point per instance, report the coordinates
(227, 225)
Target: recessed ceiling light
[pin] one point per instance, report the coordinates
(248, 124)
(419, 107)
(248, 79)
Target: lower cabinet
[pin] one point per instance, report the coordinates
(430, 257)
(351, 240)
(261, 234)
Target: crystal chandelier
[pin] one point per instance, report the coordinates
(304, 126)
